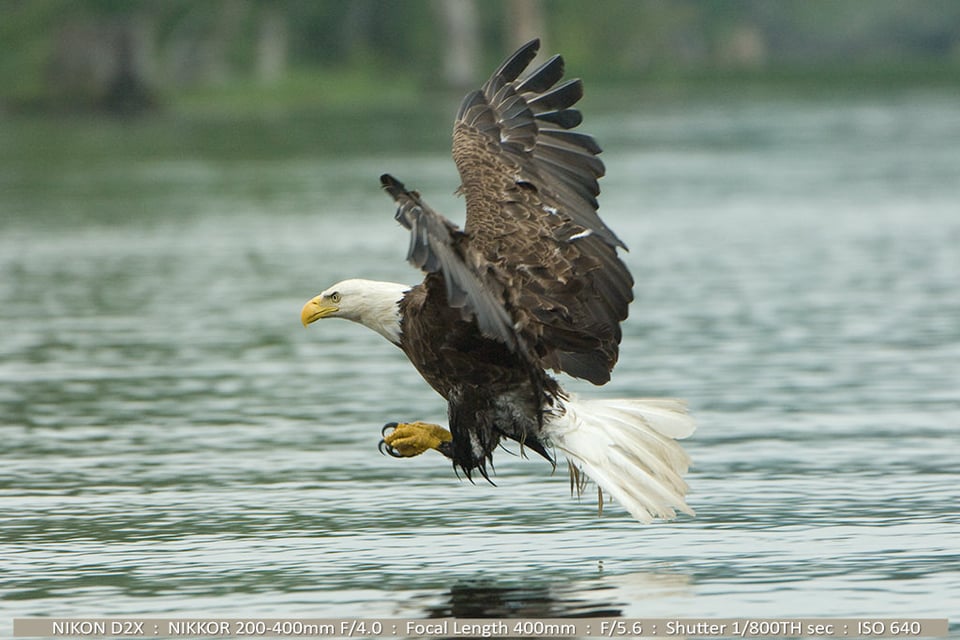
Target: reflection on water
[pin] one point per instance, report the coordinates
(535, 597)
(175, 443)
(490, 600)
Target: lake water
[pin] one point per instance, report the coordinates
(174, 443)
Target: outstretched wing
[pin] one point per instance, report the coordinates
(530, 184)
(534, 264)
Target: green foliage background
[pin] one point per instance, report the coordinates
(363, 49)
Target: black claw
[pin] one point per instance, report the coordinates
(386, 449)
(389, 425)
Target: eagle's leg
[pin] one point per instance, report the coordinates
(408, 439)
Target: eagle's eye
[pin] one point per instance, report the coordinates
(335, 297)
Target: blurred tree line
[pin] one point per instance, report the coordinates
(128, 55)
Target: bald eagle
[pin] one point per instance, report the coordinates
(531, 283)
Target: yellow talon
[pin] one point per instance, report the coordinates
(413, 438)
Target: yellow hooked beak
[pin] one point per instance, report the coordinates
(316, 309)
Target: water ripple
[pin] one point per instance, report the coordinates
(175, 443)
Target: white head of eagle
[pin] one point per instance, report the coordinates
(371, 303)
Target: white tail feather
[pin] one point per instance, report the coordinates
(628, 447)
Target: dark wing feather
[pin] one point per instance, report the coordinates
(513, 66)
(531, 189)
(437, 245)
(545, 76)
(562, 97)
